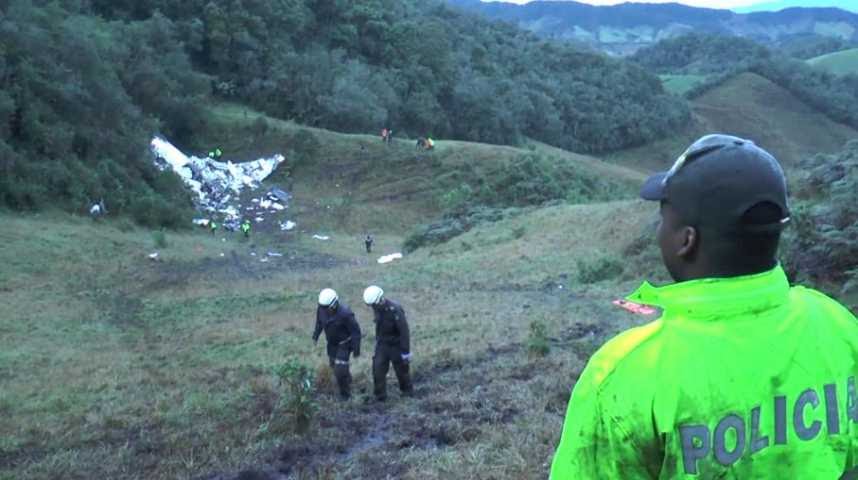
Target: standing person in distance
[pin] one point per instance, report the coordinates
(343, 335)
(392, 343)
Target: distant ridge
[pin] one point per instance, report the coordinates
(625, 28)
(851, 5)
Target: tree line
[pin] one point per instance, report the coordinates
(723, 57)
(84, 83)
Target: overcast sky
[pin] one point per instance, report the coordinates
(696, 3)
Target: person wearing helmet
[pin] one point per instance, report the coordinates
(743, 375)
(343, 335)
(392, 343)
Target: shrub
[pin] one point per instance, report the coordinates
(537, 339)
(259, 127)
(821, 244)
(153, 210)
(601, 268)
(297, 380)
(452, 225)
(159, 238)
(457, 198)
(125, 225)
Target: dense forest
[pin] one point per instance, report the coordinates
(720, 58)
(84, 83)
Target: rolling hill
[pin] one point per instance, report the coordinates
(623, 29)
(354, 183)
(750, 106)
(850, 5)
(839, 63)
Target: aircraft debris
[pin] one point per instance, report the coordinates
(389, 258)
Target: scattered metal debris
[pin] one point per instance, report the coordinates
(216, 185)
(389, 258)
(287, 225)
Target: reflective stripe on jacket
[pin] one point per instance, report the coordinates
(740, 378)
(341, 329)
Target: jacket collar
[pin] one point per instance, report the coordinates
(717, 297)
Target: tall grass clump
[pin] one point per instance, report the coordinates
(537, 339)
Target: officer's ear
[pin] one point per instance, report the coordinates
(690, 239)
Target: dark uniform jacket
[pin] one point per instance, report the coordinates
(341, 330)
(391, 327)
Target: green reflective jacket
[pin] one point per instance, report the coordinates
(740, 378)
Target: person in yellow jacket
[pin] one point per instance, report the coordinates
(742, 376)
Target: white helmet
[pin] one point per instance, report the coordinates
(328, 297)
(372, 295)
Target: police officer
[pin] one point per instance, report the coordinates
(742, 376)
(392, 343)
(245, 228)
(368, 242)
(343, 335)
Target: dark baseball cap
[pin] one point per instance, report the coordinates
(718, 180)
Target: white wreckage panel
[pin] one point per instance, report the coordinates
(214, 183)
(389, 258)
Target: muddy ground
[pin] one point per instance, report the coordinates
(455, 401)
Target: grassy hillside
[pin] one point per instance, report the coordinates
(354, 183)
(121, 367)
(117, 366)
(750, 106)
(680, 84)
(839, 63)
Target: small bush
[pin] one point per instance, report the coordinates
(457, 198)
(159, 238)
(155, 211)
(598, 269)
(259, 127)
(537, 339)
(125, 225)
(453, 225)
(298, 381)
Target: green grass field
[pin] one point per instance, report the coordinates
(117, 366)
(680, 84)
(114, 365)
(839, 63)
